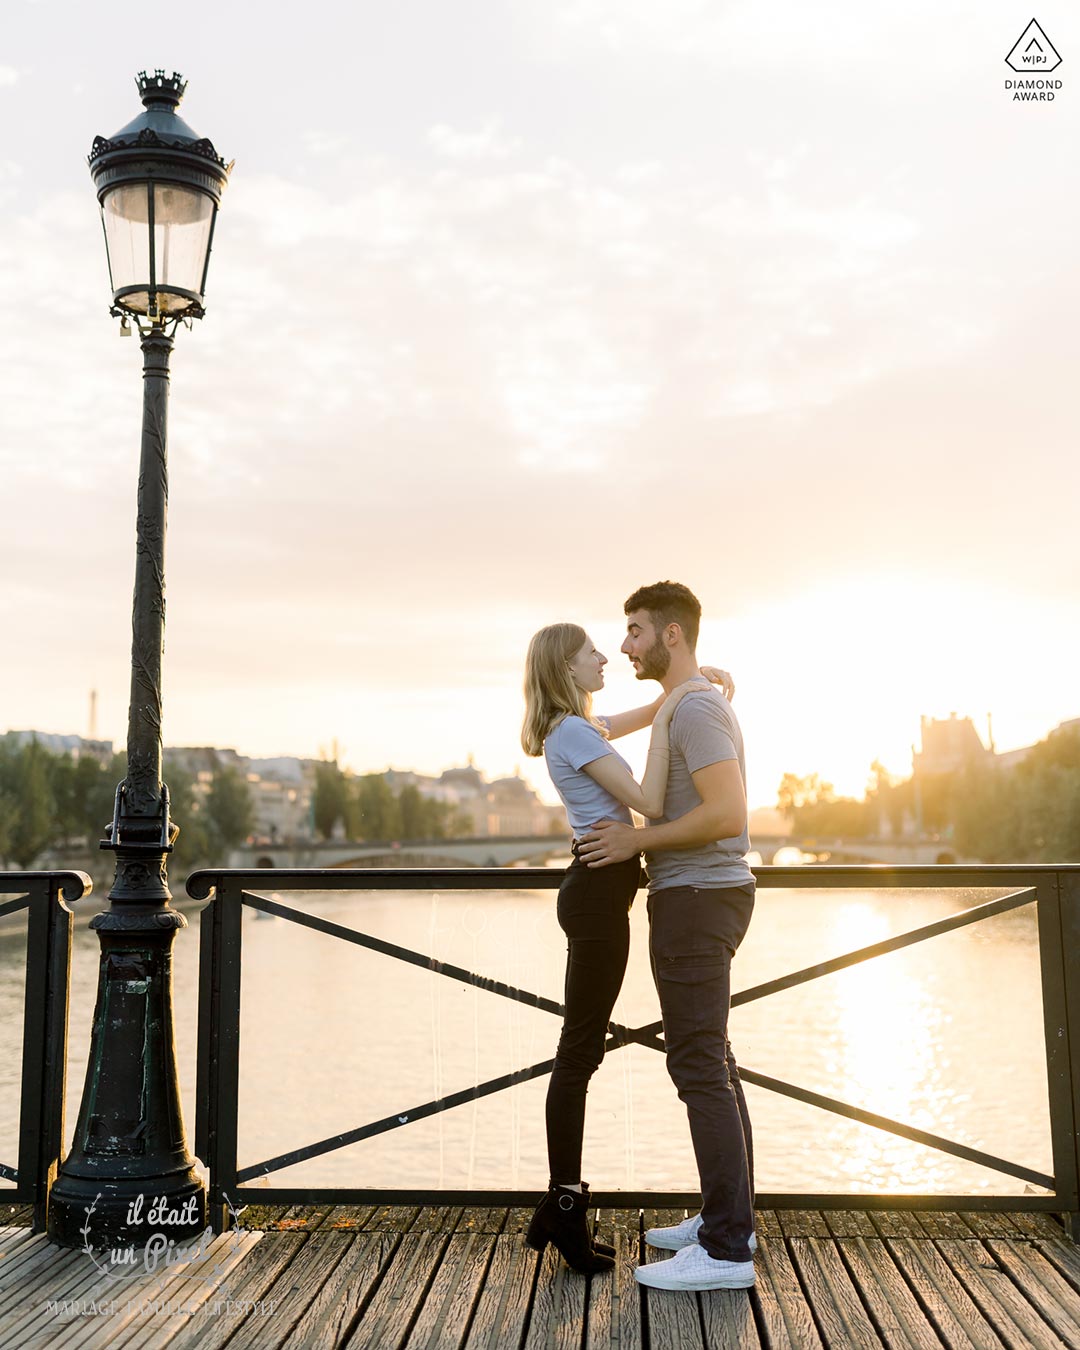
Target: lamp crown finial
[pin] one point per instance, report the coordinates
(160, 88)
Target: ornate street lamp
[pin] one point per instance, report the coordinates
(159, 186)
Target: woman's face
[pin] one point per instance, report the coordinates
(587, 667)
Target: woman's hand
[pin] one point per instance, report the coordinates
(721, 677)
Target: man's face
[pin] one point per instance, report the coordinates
(648, 653)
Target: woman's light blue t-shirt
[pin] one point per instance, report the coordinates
(569, 746)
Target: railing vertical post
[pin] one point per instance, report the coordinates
(1068, 892)
(45, 1022)
(218, 1079)
(32, 1145)
(206, 1044)
(1058, 957)
(54, 1071)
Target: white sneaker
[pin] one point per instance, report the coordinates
(681, 1235)
(693, 1268)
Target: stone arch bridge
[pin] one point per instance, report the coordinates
(539, 850)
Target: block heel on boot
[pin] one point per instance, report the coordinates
(560, 1218)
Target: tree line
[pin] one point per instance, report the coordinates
(1023, 812)
(366, 807)
(50, 800)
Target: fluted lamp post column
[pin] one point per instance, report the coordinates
(130, 1172)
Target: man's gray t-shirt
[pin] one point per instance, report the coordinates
(703, 731)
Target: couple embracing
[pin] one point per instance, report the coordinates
(701, 896)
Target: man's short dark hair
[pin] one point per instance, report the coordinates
(669, 602)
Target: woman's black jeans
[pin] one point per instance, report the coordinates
(594, 913)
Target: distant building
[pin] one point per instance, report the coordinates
(75, 746)
(282, 790)
(948, 746)
(507, 806)
(281, 787)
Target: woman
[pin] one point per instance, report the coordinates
(563, 670)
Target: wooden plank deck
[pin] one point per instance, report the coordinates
(386, 1277)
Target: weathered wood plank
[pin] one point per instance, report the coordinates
(341, 1300)
(487, 1221)
(449, 1306)
(18, 1246)
(1056, 1300)
(158, 1310)
(990, 1223)
(998, 1299)
(1064, 1256)
(609, 1221)
(77, 1285)
(293, 1292)
(782, 1306)
(506, 1296)
(938, 1224)
(897, 1223)
(517, 1220)
(299, 1218)
(728, 1320)
(1038, 1224)
(803, 1223)
(844, 1223)
(615, 1298)
(436, 1219)
(39, 1271)
(20, 1216)
(348, 1217)
(392, 1219)
(256, 1273)
(264, 1216)
(946, 1302)
(838, 1310)
(671, 1316)
(397, 1301)
(899, 1320)
(661, 1218)
(767, 1224)
(558, 1307)
(145, 1310)
(27, 1316)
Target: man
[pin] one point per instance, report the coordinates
(701, 896)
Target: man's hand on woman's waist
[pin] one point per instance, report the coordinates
(609, 841)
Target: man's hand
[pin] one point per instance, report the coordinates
(609, 841)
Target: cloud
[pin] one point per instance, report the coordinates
(846, 42)
(487, 143)
(8, 75)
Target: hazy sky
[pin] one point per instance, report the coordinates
(517, 305)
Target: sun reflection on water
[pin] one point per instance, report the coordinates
(883, 1031)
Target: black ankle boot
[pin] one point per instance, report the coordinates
(560, 1218)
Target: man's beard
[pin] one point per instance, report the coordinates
(655, 662)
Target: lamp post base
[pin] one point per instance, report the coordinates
(121, 1212)
(129, 1173)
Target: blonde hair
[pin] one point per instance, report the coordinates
(550, 691)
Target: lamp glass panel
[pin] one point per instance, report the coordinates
(126, 235)
(182, 220)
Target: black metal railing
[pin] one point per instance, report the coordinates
(44, 897)
(1054, 891)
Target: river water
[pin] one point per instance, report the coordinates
(946, 1036)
